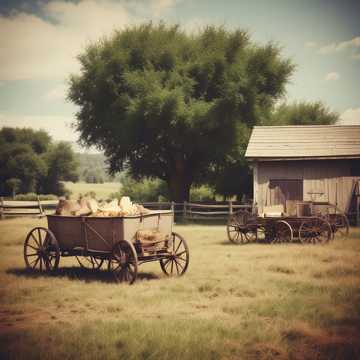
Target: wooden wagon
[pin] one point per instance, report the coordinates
(95, 240)
(319, 225)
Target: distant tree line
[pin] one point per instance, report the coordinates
(31, 162)
(93, 169)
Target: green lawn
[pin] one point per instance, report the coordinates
(102, 191)
(235, 302)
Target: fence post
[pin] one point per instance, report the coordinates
(230, 207)
(172, 207)
(2, 208)
(41, 212)
(184, 209)
(358, 209)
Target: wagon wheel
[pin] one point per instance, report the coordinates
(41, 250)
(283, 232)
(255, 233)
(237, 228)
(315, 231)
(341, 225)
(90, 262)
(123, 262)
(233, 231)
(178, 261)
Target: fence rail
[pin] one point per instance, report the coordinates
(25, 208)
(188, 210)
(200, 211)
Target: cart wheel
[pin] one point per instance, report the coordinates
(233, 231)
(123, 262)
(341, 225)
(254, 233)
(89, 262)
(315, 231)
(178, 261)
(41, 250)
(283, 232)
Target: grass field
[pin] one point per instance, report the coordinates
(102, 190)
(235, 302)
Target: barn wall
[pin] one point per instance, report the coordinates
(323, 180)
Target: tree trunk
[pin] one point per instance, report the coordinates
(179, 189)
(179, 182)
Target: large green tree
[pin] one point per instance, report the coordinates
(170, 105)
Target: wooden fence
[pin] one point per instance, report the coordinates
(200, 211)
(187, 210)
(9, 208)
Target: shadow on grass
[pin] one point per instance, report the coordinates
(77, 273)
(228, 242)
(253, 243)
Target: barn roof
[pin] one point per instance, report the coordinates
(304, 142)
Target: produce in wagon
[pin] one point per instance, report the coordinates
(90, 207)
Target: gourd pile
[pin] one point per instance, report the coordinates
(90, 207)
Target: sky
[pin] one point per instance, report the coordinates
(40, 40)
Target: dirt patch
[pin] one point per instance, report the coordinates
(266, 351)
(281, 269)
(336, 343)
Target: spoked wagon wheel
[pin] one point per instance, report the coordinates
(41, 250)
(123, 262)
(178, 260)
(89, 262)
(315, 231)
(283, 232)
(255, 233)
(233, 231)
(341, 225)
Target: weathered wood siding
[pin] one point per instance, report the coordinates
(323, 180)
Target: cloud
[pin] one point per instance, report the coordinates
(45, 45)
(350, 117)
(35, 47)
(161, 6)
(57, 93)
(311, 44)
(340, 46)
(332, 76)
(59, 127)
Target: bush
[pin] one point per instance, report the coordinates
(142, 191)
(34, 197)
(202, 193)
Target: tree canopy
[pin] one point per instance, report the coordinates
(30, 162)
(302, 113)
(175, 106)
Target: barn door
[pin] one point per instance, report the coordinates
(282, 190)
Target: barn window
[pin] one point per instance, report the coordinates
(287, 189)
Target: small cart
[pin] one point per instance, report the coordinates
(95, 240)
(319, 226)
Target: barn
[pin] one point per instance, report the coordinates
(319, 163)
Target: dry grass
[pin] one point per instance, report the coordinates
(250, 302)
